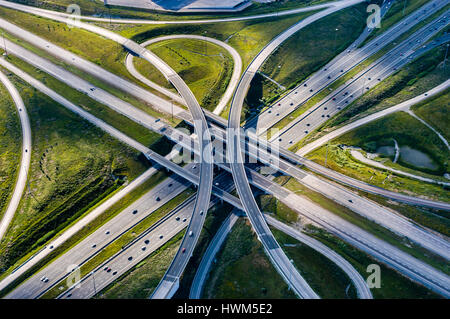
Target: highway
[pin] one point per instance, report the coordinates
(106, 234)
(372, 117)
(403, 53)
(157, 127)
(25, 158)
(234, 155)
(339, 66)
(333, 223)
(120, 262)
(360, 205)
(360, 284)
(200, 127)
(234, 80)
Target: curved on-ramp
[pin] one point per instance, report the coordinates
(25, 158)
(360, 284)
(234, 80)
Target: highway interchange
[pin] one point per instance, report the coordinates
(399, 260)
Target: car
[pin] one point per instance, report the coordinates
(306, 132)
(51, 247)
(170, 185)
(107, 232)
(217, 183)
(308, 124)
(334, 99)
(183, 250)
(201, 212)
(325, 108)
(184, 219)
(143, 248)
(106, 268)
(305, 85)
(178, 218)
(147, 241)
(135, 212)
(158, 199)
(43, 278)
(157, 120)
(94, 245)
(191, 233)
(310, 90)
(46, 280)
(109, 270)
(114, 273)
(350, 201)
(292, 104)
(194, 167)
(329, 77)
(130, 258)
(161, 237)
(279, 104)
(92, 89)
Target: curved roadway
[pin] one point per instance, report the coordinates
(25, 158)
(231, 85)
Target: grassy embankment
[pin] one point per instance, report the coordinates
(10, 147)
(205, 67)
(122, 241)
(407, 131)
(304, 53)
(92, 47)
(74, 165)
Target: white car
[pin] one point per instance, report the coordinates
(191, 233)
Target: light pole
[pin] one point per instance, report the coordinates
(335, 37)
(445, 58)
(4, 43)
(404, 6)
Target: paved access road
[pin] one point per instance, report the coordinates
(25, 157)
(144, 21)
(234, 80)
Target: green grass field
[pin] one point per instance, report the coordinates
(393, 284)
(97, 8)
(74, 165)
(243, 270)
(141, 281)
(414, 79)
(378, 231)
(304, 53)
(436, 113)
(407, 131)
(10, 147)
(205, 67)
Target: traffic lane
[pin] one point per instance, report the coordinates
(101, 238)
(335, 69)
(25, 158)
